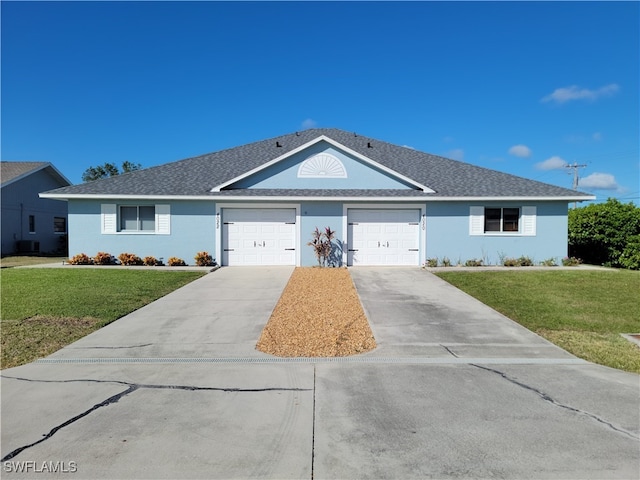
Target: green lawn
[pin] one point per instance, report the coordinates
(581, 311)
(43, 310)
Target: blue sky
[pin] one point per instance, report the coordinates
(520, 87)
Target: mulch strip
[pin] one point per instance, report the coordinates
(318, 315)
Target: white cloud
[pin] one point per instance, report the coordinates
(599, 181)
(309, 123)
(574, 92)
(521, 151)
(456, 154)
(552, 163)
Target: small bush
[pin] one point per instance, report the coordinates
(525, 262)
(80, 259)
(103, 258)
(431, 262)
(176, 262)
(518, 262)
(446, 262)
(473, 263)
(129, 259)
(203, 259)
(151, 261)
(549, 262)
(571, 262)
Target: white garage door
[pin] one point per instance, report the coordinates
(258, 236)
(383, 237)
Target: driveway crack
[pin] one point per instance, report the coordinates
(131, 387)
(449, 350)
(549, 399)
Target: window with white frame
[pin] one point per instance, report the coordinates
(116, 219)
(137, 218)
(502, 220)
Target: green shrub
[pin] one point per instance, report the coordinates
(80, 259)
(473, 263)
(446, 262)
(129, 259)
(630, 257)
(603, 233)
(549, 262)
(203, 259)
(176, 262)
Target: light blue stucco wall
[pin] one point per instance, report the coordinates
(192, 231)
(448, 234)
(321, 215)
(284, 174)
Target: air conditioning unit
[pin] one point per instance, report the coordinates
(28, 246)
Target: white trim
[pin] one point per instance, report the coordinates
(226, 198)
(163, 219)
(476, 220)
(526, 225)
(219, 213)
(335, 144)
(528, 220)
(384, 206)
(108, 218)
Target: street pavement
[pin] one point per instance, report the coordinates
(454, 390)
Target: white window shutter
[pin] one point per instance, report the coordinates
(476, 220)
(163, 219)
(529, 221)
(108, 218)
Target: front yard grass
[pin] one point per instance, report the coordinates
(42, 310)
(583, 312)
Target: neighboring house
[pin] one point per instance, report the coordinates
(31, 224)
(257, 204)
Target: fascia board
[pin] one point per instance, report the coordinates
(250, 198)
(335, 144)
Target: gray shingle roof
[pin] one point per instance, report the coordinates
(14, 171)
(198, 175)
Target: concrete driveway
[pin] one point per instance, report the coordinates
(455, 390)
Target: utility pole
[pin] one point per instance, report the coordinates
(576, 177)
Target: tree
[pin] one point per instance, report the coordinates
(606, 234)
(108, 170)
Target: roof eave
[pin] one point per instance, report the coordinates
(425, 198)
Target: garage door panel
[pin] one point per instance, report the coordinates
(258, 236)
(383, 236)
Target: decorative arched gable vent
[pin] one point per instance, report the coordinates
(322, 165)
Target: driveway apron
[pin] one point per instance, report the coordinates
(454, 390)
(413, 313)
